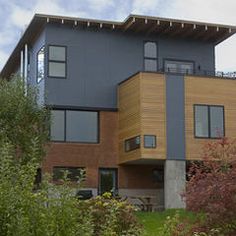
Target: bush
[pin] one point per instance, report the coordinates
(111, 216)
(211, 188)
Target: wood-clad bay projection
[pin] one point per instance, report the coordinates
(142, 112)
(208, 91)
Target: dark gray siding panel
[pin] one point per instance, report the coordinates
(175, 117)
(99, 59)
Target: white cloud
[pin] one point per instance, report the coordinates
(100, 5)
(145, 6)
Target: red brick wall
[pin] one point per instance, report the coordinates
(103, 154)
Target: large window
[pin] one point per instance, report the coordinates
(209, 121)
(132, 143)
(74, 126)
(57, 61)
(40, 64)
(73, 173)
(108, 181)
(150, 56)
(175, 66)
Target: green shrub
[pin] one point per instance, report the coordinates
(111, 216)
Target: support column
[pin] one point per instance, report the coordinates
(174, 183)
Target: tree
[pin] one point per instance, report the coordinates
(211, 188)
(22, 121)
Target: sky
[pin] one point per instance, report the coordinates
(16, 14)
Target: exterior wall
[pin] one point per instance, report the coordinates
(102, 155)
(210, 91)
(99, 59)
(153, 114)
(142, 112)
(129, 116)
(175, 117)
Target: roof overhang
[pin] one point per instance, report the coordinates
(213, 33)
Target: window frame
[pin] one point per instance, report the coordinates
(57, 61)
(209, 121)
(37, 69)
(99, 178)
(179, 61)
(150, 58)
(148, 135)
(127, 140)
(65, 141)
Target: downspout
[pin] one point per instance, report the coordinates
(21, 64)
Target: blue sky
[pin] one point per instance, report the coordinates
(16, 14)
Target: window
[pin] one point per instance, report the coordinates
(57, 61)
(40, 64)
(132, 143)
(209, 121)
(74, 173)
(108, 181)
(150, 56)
(184, 67)
(75, 126)
(149, 141)
(38, 177)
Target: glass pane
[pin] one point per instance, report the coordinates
(108, 181)
(57, 53)
(217, 122)
(82, 126)
(201, 121)
(186, 68)
(149, 141)
(150, 50)
(150, 65)
(132, 144)
(40, 65)
(57, 69)
(58, 125)
(74, 173)
(171, 67)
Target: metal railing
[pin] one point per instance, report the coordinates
(219, 74)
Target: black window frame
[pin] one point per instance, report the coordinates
(209, 121)
(150, 58)
(57, 61)
(179, 61)
(149, 135)
(66, 168)
(65, 140)
(99, 179)
(37, 68)
(127, 140)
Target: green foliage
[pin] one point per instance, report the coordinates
(111, 217)
(22, 120)
(51, 210)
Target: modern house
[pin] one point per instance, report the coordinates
(132, 101)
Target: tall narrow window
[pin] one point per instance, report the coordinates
(40, 64)
(57, 61)
(150, 56)
(209, 121)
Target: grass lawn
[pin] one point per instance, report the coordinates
(153, 221)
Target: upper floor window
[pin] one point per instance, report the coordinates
(40, 64)
(209, 121)
(150, 141)
(150, 56)
(74, 126)
(175, 66)
(57, 61)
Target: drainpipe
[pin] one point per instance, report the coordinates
(21, 63)
(26, 68)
